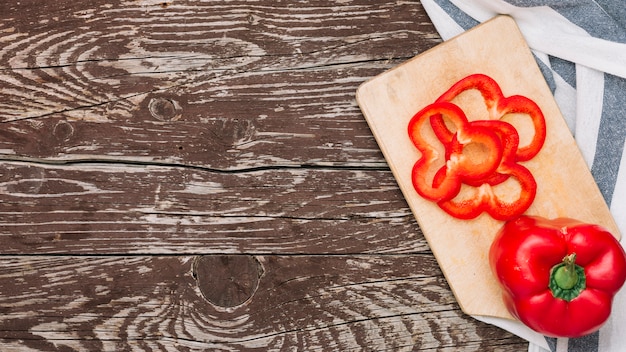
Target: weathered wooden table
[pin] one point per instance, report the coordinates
(196, 175)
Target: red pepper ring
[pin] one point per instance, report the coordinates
(521, 104)
(449, 186)
(487, 86)
(510, 141)
(497, 106)
(458, 166)
(484, 198)
(477, 165)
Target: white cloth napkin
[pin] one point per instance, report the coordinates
(580, 47)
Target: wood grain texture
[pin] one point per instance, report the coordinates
(146, 146)
(257, 84)
(117, 209)
(312, 303)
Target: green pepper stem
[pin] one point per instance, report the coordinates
(566, 276)
(567, 280)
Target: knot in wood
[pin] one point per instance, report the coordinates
(63, 131)
(252, 19)
(227, 280)
(165, 109)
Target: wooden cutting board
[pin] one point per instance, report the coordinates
(565, 187)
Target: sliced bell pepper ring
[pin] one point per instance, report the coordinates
(480, 164)
(488, 88)
(484, 199)
(497, 106)
(452, 128)
(458, 166)
(521, 104)
(510, 140)
(505, 131)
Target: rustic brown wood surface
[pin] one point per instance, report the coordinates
(197, 176)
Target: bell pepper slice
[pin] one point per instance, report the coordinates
(477, 162)
(558, 276)
(498, 106)
(459, 165)
(510, 141)
(485, 198)
(521, 104)
(469, 182)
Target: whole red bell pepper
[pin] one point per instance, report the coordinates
(558, 276)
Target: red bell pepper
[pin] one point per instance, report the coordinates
(486, 199)
(558, 276)
(498, 106)
(457, 165)
(455, 132)
(510, 141)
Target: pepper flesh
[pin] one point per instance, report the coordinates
(497, 107)
(452, 128)
(510, 141)
(484, 198)
(525, 257)
(458, 167)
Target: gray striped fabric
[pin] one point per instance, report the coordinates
(601, 138)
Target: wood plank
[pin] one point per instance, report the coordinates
(313, 303)
(246, 84)
(113, 209)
